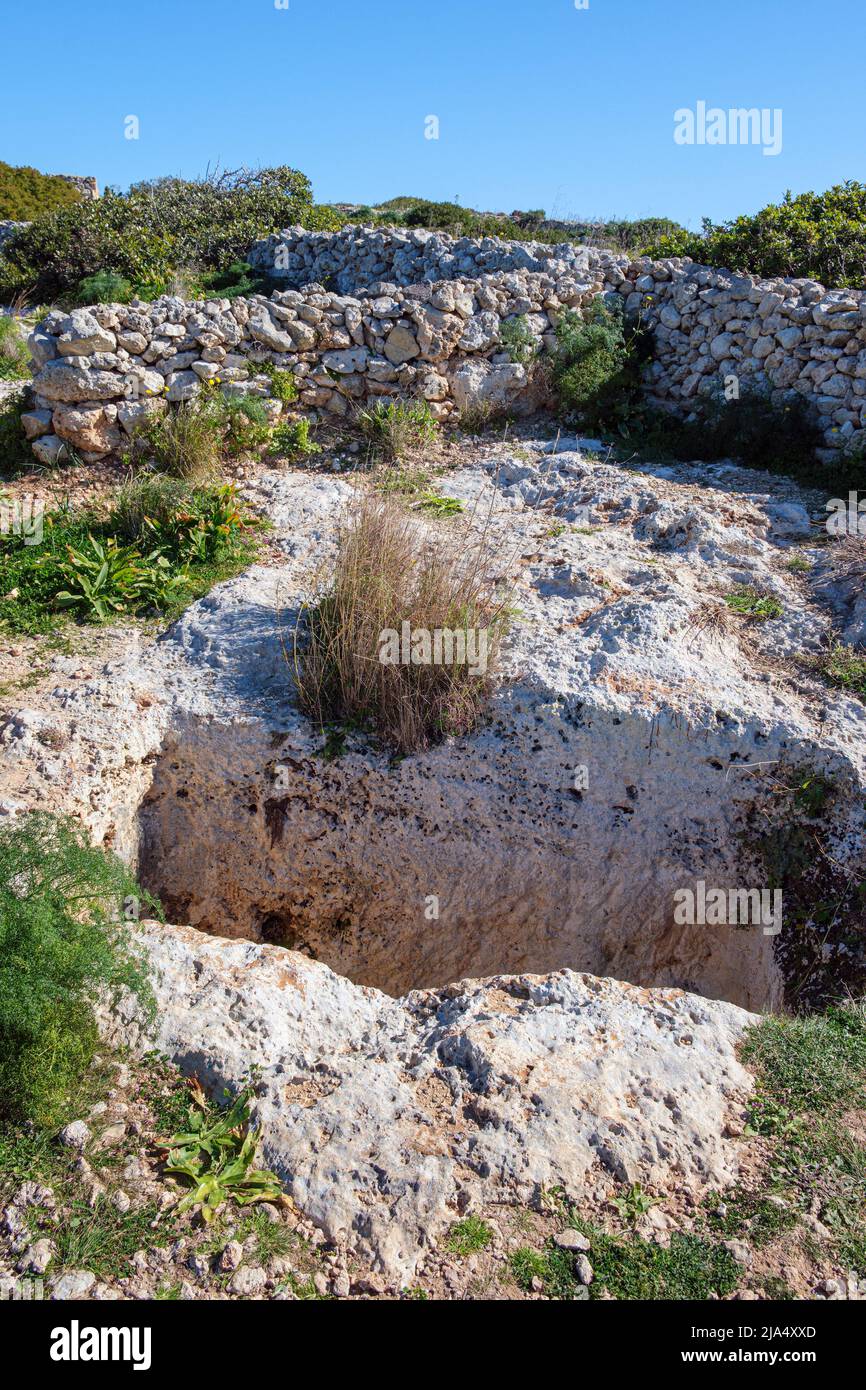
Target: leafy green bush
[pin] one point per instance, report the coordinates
(246, 424)
(26, 194)
(821, 236)
(282, 383)
(236, 279)
(292, 440)
(596, 364)
(144, 234)
(165, 543)
(104, 579)
(64, 942)
(14, 356)
(15, 453)
(515, 338)
(215, 1153)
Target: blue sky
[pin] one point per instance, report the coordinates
(540, 104)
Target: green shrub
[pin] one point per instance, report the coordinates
(236, 279)
(282, 383)
(15, 452)
(165, 544)
(144, 234)
(291, 440)
(105, 287)
(394, 428)
(246, 424)
(445, 216)
(186, 525)
(596, 364)
(25, 193)
(819, 236)
(64, 942)
(515, 337)
(104, 579)
(14, 356)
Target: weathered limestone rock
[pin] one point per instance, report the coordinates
(87, 427)
(380, 1113)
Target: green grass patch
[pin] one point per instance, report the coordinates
(102, 1240)
(845, 667)
(753, 603)
(468, 1236)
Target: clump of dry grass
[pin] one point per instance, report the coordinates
(391, 571)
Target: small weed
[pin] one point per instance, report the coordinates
(845, 667)
(439, 506)
(799, 564)
(517, 340)
(14, 356)
(634, 1203)
(98, 1238)
(753, 603)
(748, 1215)
(292, 440)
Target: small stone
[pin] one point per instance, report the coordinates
(33, 1194)
(36, 1258)
(571, 1240)
(320, 1283)
(341, 1285)
(248, 1281)
(120, 1201)
(583, 1269)
(112, 1135)
(230, 1257)
(199, 1265)
(739, 1250)
(75, 1135)
(75, 1283)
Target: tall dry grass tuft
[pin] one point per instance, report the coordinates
(391, 570)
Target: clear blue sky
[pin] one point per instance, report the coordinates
(540, 104)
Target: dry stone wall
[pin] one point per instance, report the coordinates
(371, 313)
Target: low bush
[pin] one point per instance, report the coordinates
(25, 193)
(145, 234)
(517, 340)
(103, 579)
(186, 442)
(64, 943)
(819, 236)
(245, 423)
(596, 364)
(388, 574)
(291, 440)
(395, 428)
